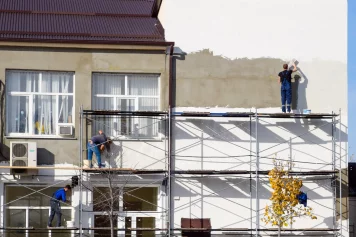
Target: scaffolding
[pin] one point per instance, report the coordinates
(171, 172)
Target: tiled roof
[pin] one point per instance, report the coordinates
(86, 21)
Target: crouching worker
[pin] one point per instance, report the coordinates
(55, 203)
(96, 145)
(285, 79)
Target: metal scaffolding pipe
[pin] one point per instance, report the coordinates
(169, 171)
(81, 173)
(333, 181)
(257, 168)
(340, 173)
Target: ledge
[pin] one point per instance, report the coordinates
(41, 137)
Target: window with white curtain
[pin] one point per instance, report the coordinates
(38, 101)
(126, 92)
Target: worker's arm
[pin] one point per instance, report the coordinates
(64, 198)
(102, 147)
(294, 67)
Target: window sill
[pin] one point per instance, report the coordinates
(41, 137)
(137, 139)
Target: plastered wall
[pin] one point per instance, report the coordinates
(82, 62)
(230, 53)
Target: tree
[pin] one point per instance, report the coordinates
(284, 198)
(108, 198)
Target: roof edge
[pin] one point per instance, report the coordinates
(120, 45)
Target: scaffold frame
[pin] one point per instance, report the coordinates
(335, 174)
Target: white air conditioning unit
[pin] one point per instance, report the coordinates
(23, 154)
(65, 130)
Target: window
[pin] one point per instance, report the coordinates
(140, 199)
(37, 102)
(27, 209)
(133, 92)
(140, 206)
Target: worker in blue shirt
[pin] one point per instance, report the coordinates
(57, 197)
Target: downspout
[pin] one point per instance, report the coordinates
(170, 142)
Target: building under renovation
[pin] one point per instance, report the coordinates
(189, 94)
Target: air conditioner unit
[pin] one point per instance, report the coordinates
(65, 130)
(23, 154)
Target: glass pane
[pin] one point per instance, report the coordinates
(140, 199)
(124, 125)
(113, 125)
(101, 200)
(45, 113)
(108, 84)
(148, 104)
(105, 123)
(22, 81)
(148, 127)
(128, 225)
(38, 219)
(17, 114)
(104, 221)
(35, 199)
(140, 84)
(16, 218)
(56, 82)
(145, 222)
(65, 109)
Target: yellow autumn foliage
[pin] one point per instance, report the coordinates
(285, 205)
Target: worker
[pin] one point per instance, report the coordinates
(96, 145)
(285, 79)
(57, 197)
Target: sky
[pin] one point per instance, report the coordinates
(352, 77)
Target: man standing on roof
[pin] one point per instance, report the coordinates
(285, 79)
(57, 197)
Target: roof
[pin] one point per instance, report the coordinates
(80, 21)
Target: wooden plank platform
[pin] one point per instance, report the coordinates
(249, 114)
(90, 170)
(261, 172)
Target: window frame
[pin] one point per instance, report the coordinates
(30, 96)
(158, 215)
(127, 96)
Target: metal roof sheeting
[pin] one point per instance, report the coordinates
(79, 20)
(142, 7)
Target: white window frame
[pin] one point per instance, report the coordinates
(131, 97)
(30, 121)
(27, 208)
(158, 215)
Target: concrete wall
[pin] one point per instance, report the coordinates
(82, 62)
(230, 53)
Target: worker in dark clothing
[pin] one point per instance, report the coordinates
(285, 79)
(95, 145)
(57, 197)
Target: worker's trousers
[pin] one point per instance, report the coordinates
(55, 210)
(93, 148)
(286, 95)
